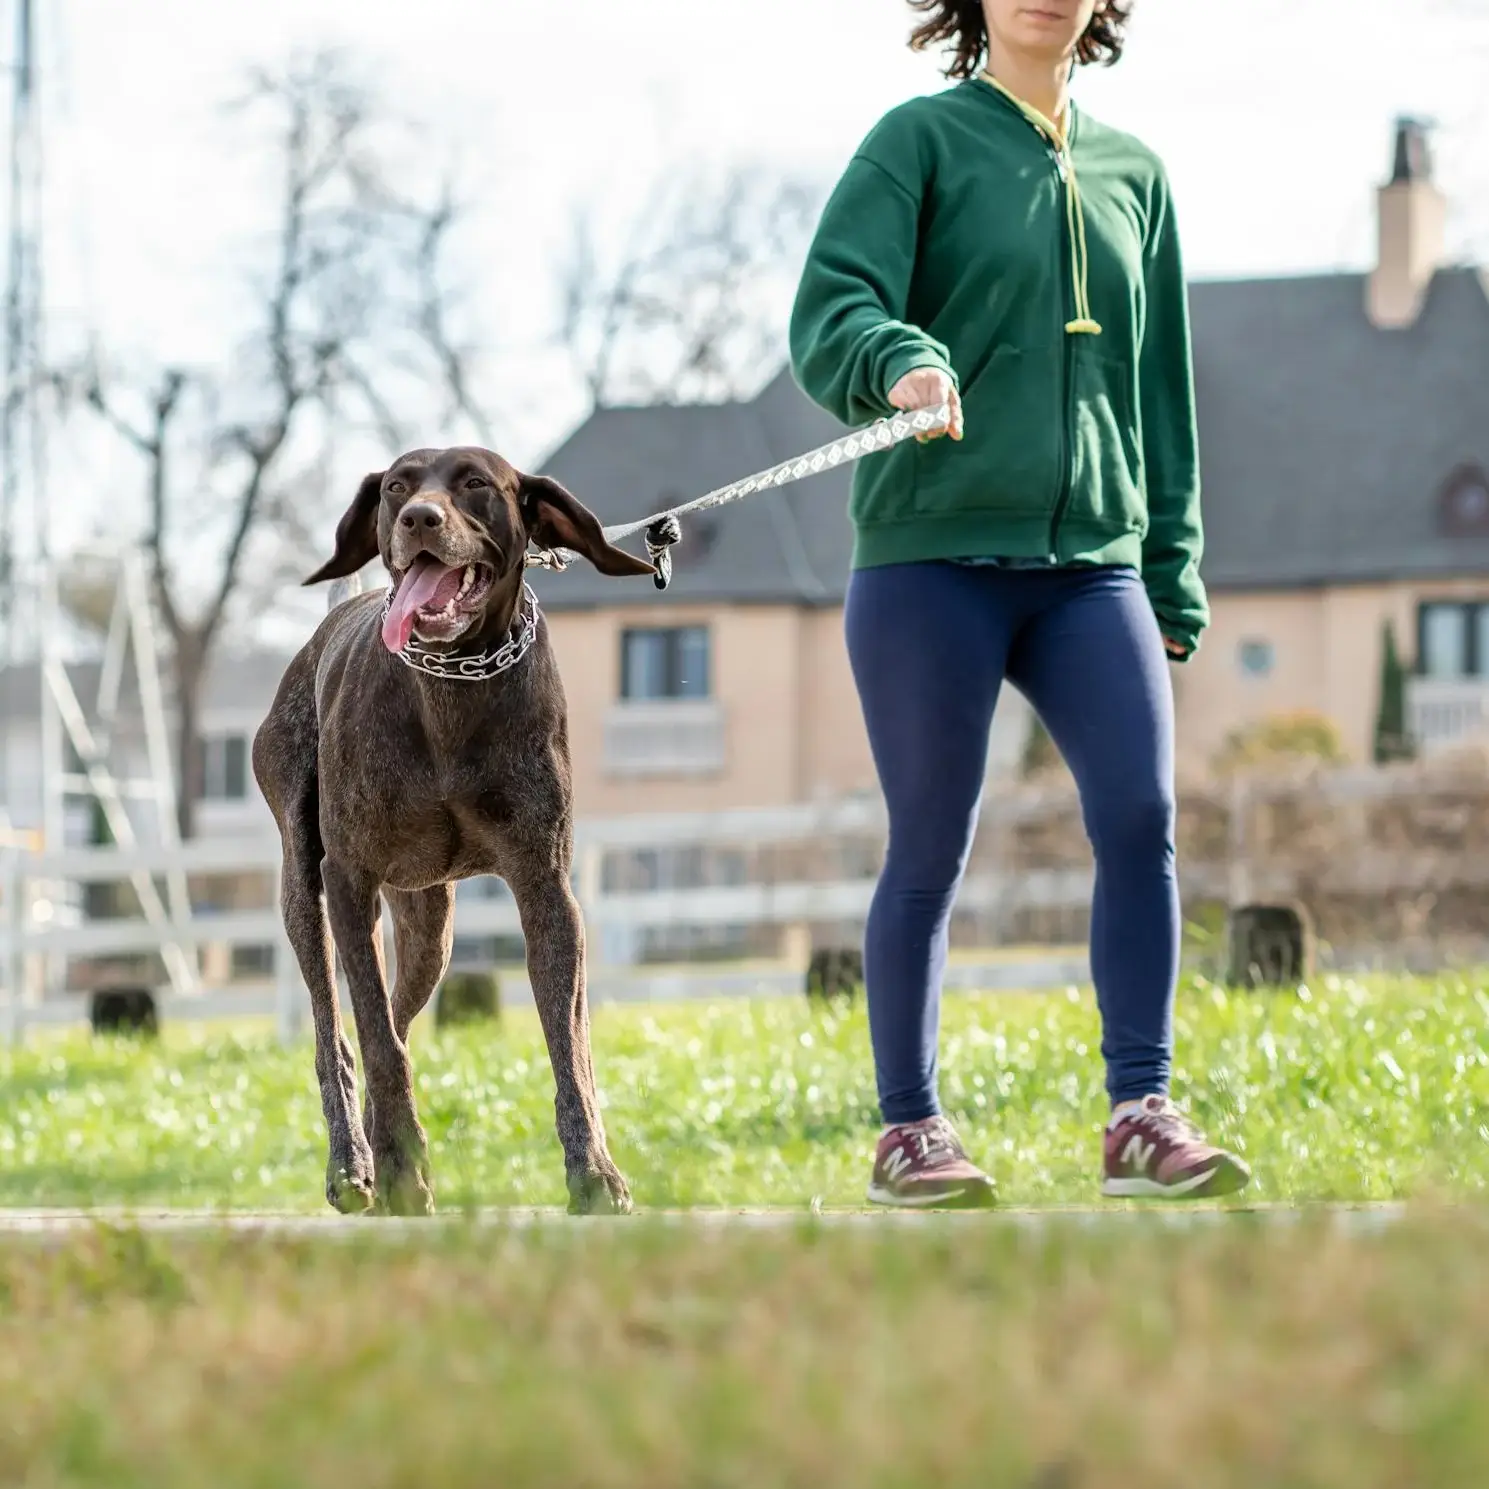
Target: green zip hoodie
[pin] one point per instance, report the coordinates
(953, 241)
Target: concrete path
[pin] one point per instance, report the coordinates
(45, 1225)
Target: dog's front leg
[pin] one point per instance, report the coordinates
(349, 1169)
(400, 1152)
(554, 931)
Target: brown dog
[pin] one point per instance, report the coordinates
(414, 741)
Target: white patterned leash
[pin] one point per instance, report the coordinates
(663, 529)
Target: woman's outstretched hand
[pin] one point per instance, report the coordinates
(925, 388)
(1175, 648)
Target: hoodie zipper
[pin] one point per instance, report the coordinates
(1074, 294)
(1062, 493)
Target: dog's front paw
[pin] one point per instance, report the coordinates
(599, 1190)
(407, 1195)
(349, 1187)
(403, 1186)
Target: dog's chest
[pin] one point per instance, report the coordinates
(435, 792)
(464, 821)
(443, 840)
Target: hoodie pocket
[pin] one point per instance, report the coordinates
(1008, 459)
(1106, 457)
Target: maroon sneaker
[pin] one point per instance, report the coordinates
(1155, 1152)
(923, 1166)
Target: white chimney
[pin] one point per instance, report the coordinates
(1412, 232)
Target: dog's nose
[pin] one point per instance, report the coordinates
(422, 517)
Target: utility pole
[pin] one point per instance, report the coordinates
(27, 582)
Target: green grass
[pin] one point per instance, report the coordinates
(954, 1355)
(1355, 1090)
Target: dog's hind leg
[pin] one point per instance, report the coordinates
(399, 1149)
(554, 931)
(423, 937)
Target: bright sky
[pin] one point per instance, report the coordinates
(1273, 118)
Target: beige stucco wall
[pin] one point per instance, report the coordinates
(1213, 695)
(1327, 650)
(836, 758)
(779, 673)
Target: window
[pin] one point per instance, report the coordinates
(650, 870)
(1255, 657)
(664, 663)
(222, 768)
(1463, 503)
(252, 961)
(703, 533)
(1453, 638)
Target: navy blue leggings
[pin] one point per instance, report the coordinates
(930, 645)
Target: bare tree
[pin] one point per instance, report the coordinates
(693, 305)
(351, 320)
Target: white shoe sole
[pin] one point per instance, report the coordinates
(1152, 1189)
(888, 1197)
(947, 1200)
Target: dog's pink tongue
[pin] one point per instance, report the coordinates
(425, 581)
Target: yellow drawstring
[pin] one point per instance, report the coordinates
(1075, 213)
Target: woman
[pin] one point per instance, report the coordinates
(994, 249)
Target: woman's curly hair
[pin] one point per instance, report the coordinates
(961, 25)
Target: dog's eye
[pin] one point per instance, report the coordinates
(396, 488)
(475, 483)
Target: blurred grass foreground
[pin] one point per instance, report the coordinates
(955, 1351)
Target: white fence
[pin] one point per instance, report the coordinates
(801, 868)
(30, 940)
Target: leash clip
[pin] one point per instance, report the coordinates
(660, 537)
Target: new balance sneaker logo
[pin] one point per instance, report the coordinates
(895, 1164)
(1138, 1153)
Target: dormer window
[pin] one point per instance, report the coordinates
(1463, 507)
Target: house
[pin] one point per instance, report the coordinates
(1344, 423)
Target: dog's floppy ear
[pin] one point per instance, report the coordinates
(356, 533)
(556, 518)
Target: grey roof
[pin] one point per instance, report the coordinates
(1324, 445)
(786, 545)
